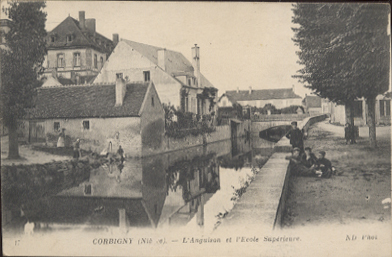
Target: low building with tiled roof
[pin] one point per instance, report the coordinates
(76, 51)
(101, 115)
(178, 81)
(280, 97)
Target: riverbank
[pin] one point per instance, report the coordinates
(353, 197)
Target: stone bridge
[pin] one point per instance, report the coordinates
(264, 122)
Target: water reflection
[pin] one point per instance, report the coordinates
(185, 188)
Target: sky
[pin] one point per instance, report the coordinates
(242, 45)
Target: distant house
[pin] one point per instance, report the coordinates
(76, 52)
(383, 111)
(102, 116)
(280, 98)
(178, 82)
(314, 104)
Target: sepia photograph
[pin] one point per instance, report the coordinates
(138, 128)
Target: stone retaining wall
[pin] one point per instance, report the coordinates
(263, 203)
(174, 144)
(284, 146)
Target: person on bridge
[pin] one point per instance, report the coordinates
(296, 137)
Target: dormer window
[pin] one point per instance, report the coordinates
(52, 39)
(69, 38)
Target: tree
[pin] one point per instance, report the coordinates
(345, 52)
(21, 64)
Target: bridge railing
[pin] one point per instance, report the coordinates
(278, 117)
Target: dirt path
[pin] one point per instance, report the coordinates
(356, 195)
(28, 155)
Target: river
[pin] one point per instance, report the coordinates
(189, 189)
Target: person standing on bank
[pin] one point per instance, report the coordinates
(296, 137)
(76, 149)
(120, 152)
(61, 140)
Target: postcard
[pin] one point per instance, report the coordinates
(195, 129)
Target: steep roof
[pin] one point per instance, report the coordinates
(312, 101)
(175, 62)
(264, 94)
(87, 101)
(81, 37)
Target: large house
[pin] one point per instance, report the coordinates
(280, 98)
(102, 116)
(178, 82)
(383, 111)
(76, 52)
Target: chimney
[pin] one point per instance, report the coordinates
(82, 20)
(238, 89)
(250, 90)
(115, 39)
(162, 58)
(90, 25)
(196, 63)
(121, 88)
(293, 89)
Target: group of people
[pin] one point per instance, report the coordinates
(302, 161)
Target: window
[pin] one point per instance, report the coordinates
(101, 62)
(119, 75)
(146, 75)
(224, 103)
(56, 126)
(76, 59)
(358, 109)
(60, 61)
(95, 61)
(52, 39)
(69, 38)
(186, 104)
(86, 125)
(385, 107)
(189, 82)
(152, 101)
(87, 189)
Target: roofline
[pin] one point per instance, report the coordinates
(87, 117)
(271, 99)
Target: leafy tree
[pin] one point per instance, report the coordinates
(21, 64)
(344, 49)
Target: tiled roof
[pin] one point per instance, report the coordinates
(265, 94)
(175, 63)
(90, 101)
(312, 101)
(81, 37)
